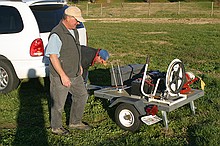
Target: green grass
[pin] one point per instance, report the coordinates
(24, 113)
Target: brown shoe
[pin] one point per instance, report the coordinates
(60, 131)
(80, 126)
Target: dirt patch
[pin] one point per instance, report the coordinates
(7, 126)
(159, 20)
(158, 42)
(161, 32)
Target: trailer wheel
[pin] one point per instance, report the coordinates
(127, 117)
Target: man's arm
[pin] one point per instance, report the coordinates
(52, 51)
(57, 66)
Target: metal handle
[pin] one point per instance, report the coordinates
(148, 59)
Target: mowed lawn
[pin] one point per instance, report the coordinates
(24, 113)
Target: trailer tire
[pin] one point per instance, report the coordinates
(127, 117)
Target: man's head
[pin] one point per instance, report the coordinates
(102, 56)
(72, 17)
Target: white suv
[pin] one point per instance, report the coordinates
(24, 29)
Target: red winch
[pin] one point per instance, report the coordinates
(190, 79)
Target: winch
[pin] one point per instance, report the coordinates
(190, 79)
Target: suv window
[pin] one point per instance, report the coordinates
(10, 22)
(48, 16)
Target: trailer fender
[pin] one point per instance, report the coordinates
(137, 103)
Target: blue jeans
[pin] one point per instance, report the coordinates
(59, 94)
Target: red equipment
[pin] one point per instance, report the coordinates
(190, 79)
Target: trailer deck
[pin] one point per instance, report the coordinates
(115, 96)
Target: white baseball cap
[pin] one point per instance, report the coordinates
(75, 12)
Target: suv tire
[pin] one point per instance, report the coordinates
(8, 79)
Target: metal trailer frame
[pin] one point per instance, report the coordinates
(116, 96)
(168, 102)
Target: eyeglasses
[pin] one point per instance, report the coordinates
(74, 18)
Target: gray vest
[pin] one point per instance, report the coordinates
(70, 53)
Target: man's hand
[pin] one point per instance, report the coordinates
(65, 80)
(81, 69)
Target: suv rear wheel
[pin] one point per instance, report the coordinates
(8, 79)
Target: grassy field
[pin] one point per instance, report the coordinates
(24, 113)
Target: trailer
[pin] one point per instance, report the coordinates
(138, 94)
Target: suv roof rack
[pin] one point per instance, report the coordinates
(32, 1)
(36, 2)
(43, 0)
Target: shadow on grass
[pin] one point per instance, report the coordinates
(102, 77)
(31, 128)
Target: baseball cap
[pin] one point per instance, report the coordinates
(75, 12)
(104, 54)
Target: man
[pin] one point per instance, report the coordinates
(64, 52)
(91, 56)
